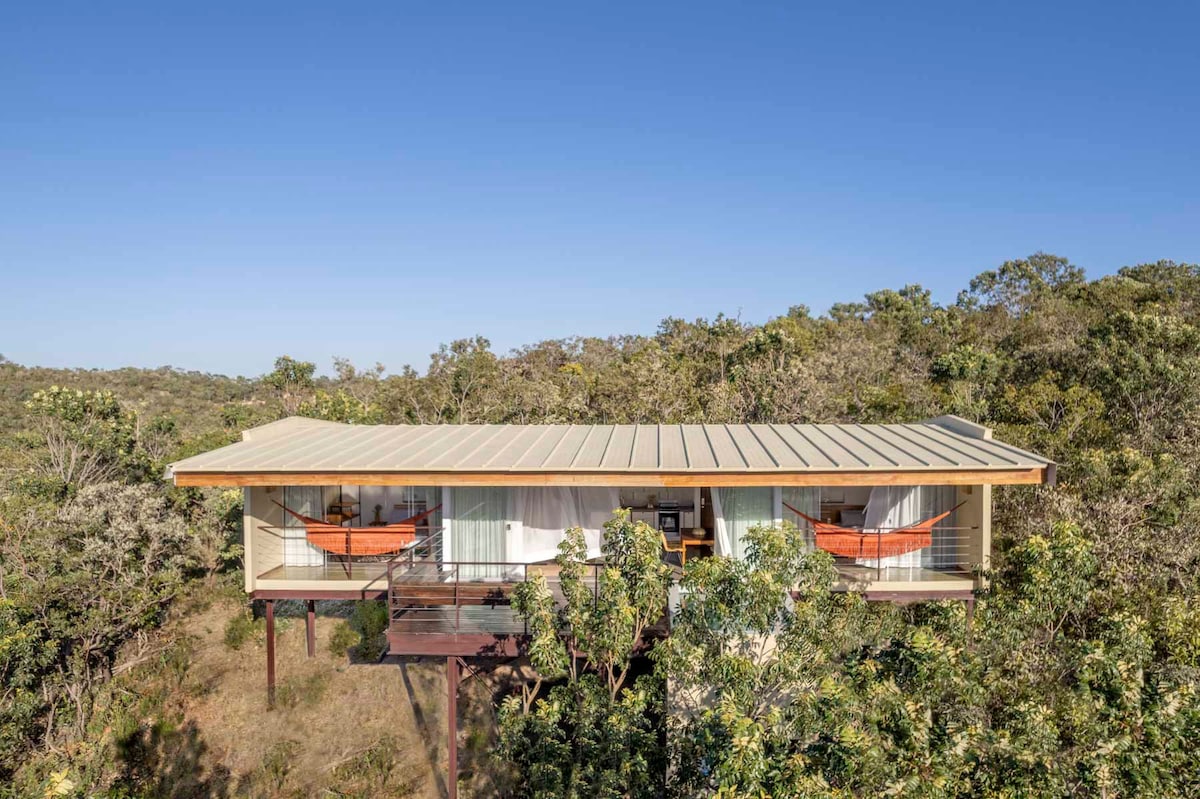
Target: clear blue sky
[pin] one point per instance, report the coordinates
(211, 186)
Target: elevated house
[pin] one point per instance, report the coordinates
(441, 521)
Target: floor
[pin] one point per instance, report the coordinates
(856, 572)
(332, 571)
(374, 571)
(462, 620)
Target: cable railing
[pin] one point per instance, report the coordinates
(463, 597)
(361, 547)
(878, 559)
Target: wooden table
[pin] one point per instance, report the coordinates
(691, 541)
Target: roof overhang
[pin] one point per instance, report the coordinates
(297, 451)
(1030, 476)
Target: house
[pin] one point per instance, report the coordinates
(442, 520)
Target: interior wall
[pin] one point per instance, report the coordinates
(688, 498)
(975, 543)
(264, 525)
(845, 495)
(640, 497)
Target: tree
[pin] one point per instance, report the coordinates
(1018, 286)
(292, 381)
(781, 687)
(76, 584)
(339, 406)
(86, 437)
(594, 733)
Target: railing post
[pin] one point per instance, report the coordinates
(878, 556)
(457, 604)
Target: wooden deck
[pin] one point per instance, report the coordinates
(438, 609)
(334, 572)
(458, 630)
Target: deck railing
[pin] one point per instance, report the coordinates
(429, 594)
(460, 597)
(427, 539)
(948, 551)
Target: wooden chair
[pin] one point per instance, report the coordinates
(679, 550)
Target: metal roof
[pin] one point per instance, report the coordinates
(309, 445)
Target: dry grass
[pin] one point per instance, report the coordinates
(334, 720)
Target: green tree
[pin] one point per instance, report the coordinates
(339, 406)
(595, 732)
(82, 438)
(292, 382)
(77, 583)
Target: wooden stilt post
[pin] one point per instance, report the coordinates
(270, 653)
(452, 725)
(970, 612)
(310, 627)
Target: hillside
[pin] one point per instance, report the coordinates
(1098, 580)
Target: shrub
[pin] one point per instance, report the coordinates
(240, 629)
(342, 639)
(363, 633)
(370, 621)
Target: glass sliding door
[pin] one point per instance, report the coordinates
(478, 531)
(296, 549)
(807, 501)
(893, 507)
(735, 511)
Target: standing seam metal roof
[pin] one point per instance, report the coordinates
(308, 445)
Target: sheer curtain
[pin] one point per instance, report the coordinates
(890, 507)
(735, 511)
(478, 530)
(296, 549)
(545, 513)
(808, 502)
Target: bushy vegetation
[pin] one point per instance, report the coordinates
(362, 635)
(596, 731)
(1054, 689)
(1078, 676)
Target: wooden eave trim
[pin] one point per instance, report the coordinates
(866, 477)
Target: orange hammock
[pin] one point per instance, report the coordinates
(851, 542)
(338, 540)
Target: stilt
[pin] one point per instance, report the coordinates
(270, 653)
(970, 612)
(310, 627)
(452, 724)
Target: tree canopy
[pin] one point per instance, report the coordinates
(1077, 676)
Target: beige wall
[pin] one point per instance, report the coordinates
(263, 525)
(976, 543)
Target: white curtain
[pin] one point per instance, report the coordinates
(478, 531)
(296, 549)
(545, 513)
(891, 507)
(808, 502)
(735, 511)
